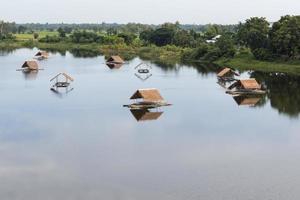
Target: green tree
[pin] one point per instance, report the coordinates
(226, 46)
(285, 36)
(61, 32)
(254, 33)
(35, 35)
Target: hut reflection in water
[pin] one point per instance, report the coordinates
(145, 114)
(247, 100)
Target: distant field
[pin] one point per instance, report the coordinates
(28, 36)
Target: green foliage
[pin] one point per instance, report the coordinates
(127, 37)
(226, 46)
(35, 35)
(262, 54)
(285, 36)
(254, 33)
(50, 39)
(61, 32)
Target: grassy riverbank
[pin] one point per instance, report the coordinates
(169, 55)
(248, 62)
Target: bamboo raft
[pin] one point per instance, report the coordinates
(246, 92)
(146, 105)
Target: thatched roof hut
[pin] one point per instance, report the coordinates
(227, 72)
(145, 114)
(248, 84)
(246, 100)
(42, 54)
(115, 59)
(30, 65)
(148, 95)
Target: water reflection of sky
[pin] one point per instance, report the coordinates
(87, 146)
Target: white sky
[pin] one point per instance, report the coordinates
(145, 11)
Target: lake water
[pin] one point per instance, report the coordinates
(86, 145)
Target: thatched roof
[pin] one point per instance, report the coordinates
(115, 59)
(251, 84)
(63, 74)
(42, 53)
(145, 115)
(151, 95)
(31, 65)
(246, 100)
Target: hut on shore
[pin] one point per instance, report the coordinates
(42, 55)
(62, 83)
(145, 114)
(147, 98)
(30, 65)
(247, 100)
(247, 86)
(115, 60)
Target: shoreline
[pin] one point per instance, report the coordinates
(169, 55)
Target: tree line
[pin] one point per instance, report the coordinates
(266, 41)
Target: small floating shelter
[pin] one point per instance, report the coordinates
(115, 60)
(147, 98)
(145, 114)
(30, 65)
(247, 86)
(42, 54)
(62, 83)
(247, 100)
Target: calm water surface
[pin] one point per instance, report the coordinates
(85, 145)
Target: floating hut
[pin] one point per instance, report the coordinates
(147, 98)
(145, 114)
(30, 65)
(227, 74)
(247, 100)
(244, 87)
(115, 60)
(62, 83)
(42, 55)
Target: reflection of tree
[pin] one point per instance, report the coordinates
(171, 65)
(283, 91)
(80, 53)
(6, 51)
(54, 50)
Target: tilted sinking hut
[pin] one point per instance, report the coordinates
(227, 74)
(115, 60)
